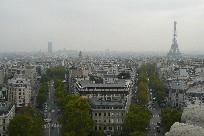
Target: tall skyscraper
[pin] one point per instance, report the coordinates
(49, 47)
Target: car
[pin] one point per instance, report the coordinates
(158, 129)
(47, 120)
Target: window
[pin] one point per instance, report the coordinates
(95, 127)
(104, 128)
(110, 128)
(108, 114)
(104, 114)
(99, 127)
(95, 114)
(99, 114)
(4, 128)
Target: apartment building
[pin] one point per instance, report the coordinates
(108, 102)
(177, 94)
(19, 92)
(7, 112)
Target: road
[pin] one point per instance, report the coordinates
(156, 111)
(52, 128)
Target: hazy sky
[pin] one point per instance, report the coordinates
(129, 25)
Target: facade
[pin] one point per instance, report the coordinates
(108, 114)
(195, 92)
(108, 102)
(27, 72)
(177, 94)
(7, 112)
(19, 92)
(3, 93)
(49, 47)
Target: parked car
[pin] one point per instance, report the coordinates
(158, 129)
(47, 120)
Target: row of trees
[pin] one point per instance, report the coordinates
(55, 72)
(138, 117)
(142, 91)
(29, 122)
(42, 94)
(136, 120)
(155, 83)
(60, 92)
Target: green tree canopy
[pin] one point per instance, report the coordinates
(169, 116)
(137, 119)
(138, 133)
(28, 123)
(76, 118)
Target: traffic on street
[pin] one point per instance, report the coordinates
(51, 113)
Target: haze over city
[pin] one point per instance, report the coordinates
(130, 25)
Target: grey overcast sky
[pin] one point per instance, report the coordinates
(122, 25)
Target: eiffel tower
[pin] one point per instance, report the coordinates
(174, 51)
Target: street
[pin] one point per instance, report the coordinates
(155, 129)
(52, 128)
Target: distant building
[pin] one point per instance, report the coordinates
(49, 47)
(7, 112)
(80, 55)
(1, 76)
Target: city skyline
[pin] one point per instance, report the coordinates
(91, 25)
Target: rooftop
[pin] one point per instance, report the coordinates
(5, 107)
(86, 83)
(96, 102)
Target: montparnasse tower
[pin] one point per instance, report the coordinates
(174, 51)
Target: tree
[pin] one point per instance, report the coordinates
(160, 96)
(137, 119)
(42, 94)
(20, 125)
(28, 123)
(76, 118)
(142, 93)
(138, 133)
(169, 116)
